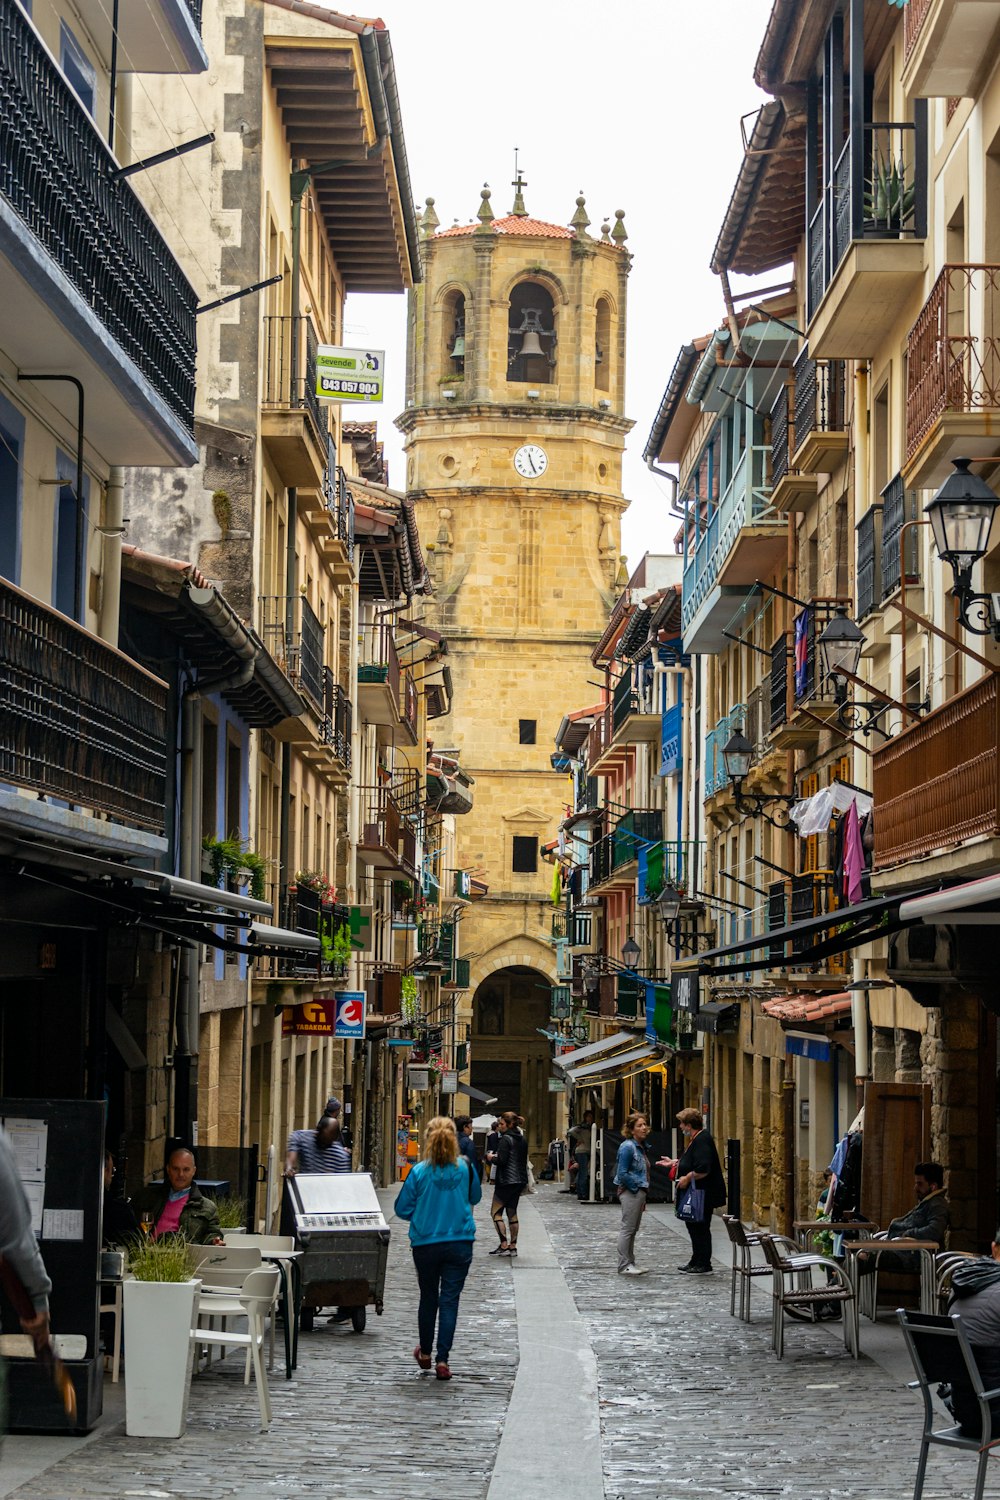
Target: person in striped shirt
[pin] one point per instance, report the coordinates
(319, 1150)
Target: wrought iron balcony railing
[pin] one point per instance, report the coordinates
(338, 718)
(819, 396)
(953, 350)
(869, 569)
(378, 659)
(58, 176)
(339, 500)
(294, 636)
(899, 505)
(290, 367)
(79, 721)
(780, 436)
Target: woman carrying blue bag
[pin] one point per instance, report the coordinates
(701, 1188)
(632, 1182)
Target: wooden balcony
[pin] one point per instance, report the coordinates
(953, 375)
(293, 427)
(948, 46)
(387, 840)
(80, 722)
(937, 783)
(808, 701)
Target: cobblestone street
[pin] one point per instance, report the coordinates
(641, 1388)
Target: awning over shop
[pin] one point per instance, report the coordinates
(618, 1066)
(718, 1017)
(808, 1007)
(593, 1049)
(946, 903)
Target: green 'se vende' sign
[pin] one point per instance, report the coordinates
(349, 374)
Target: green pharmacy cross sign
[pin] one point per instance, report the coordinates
(349, 374)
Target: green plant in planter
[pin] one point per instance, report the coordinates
(409, 999)
(232, 1211)
(337, 948)
(165, 1259)
(231, 857)
(889, 199)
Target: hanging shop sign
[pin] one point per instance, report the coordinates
(418, 1078)
(315, 1018)
(349, 1016)
(360, 924)
(349, 374)
(557, 1086)
(684, 989)
(449, 1081)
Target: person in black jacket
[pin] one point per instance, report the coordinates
(510, 1179)
(700, 1164)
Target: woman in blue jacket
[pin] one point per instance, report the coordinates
(437, 1198)
(632, 1181)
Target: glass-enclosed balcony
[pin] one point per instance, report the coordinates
(728, 545)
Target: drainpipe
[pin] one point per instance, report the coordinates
(189, 965)
(859, 1021)
(111, 570)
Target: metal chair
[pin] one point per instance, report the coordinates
(254, 1300)
(803, 1294)
(744, 1269)
(945, 1263)
(940, 1351)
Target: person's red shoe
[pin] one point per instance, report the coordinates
(422, 1359)
(442, 1371)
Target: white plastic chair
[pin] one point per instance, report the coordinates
(254, 1300)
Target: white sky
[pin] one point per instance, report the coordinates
(638, 105)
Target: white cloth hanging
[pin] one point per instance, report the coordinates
(813, 814)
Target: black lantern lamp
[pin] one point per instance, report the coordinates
(737, 758)
(668, 903)
(631, 953)
(961, 517)
(840, 647)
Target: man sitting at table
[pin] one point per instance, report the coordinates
(178, 1206)
(926, 1220)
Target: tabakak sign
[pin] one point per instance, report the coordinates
(349, 1014)
(315, 1018)
(349, 374)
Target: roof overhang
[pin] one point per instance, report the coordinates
(765, 219)
(338, 101)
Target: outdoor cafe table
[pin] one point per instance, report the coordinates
(926, 1249)
(806, 1230)
(287, 1262)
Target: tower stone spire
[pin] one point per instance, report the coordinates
(580, 220)
(485, 214)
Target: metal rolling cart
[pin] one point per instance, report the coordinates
(344, 1239)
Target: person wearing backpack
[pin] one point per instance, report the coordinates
(632, 1182)
(437, 1198)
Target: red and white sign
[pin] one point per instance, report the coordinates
(349, 1015)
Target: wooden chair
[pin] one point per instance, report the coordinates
(940, 1351)
(744, 1269)
(254, 1301)
(792, 1287)
(945, 1263)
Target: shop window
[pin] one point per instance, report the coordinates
(531, 335)
(525, 855)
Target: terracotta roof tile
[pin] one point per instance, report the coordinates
(515, 224)
(808, 1007)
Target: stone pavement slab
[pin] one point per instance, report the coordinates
(643, 1388)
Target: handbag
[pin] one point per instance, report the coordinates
(691, 1204)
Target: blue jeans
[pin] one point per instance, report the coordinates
(441, 1272)
(583, 1174)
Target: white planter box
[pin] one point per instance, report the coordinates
(159, 1317)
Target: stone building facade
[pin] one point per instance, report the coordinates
(514, 431)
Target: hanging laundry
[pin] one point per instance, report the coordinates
(802, 623)
(854, 856)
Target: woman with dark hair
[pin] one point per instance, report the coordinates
(510, 1178)
(699, 1163)
(437, 1198)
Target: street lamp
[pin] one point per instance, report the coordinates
(961, 517)
(737, 758)
(668, 903)
(839, 649)
(631, 952)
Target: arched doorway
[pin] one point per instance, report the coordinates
(509, 1057)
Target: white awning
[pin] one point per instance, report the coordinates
(611, 1067)
(605, 1044)
(955, 898)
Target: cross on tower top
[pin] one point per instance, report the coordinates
(519, 184)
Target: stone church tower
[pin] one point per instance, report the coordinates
(514, 436)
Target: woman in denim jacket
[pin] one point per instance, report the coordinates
(632, 1181)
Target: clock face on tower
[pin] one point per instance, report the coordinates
(530, 461)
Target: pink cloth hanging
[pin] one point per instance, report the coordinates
(854, 856)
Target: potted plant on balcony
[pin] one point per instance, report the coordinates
(337, 951)
(889, 199)
(409, 1003)
(160, 1299)
(233, 859)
